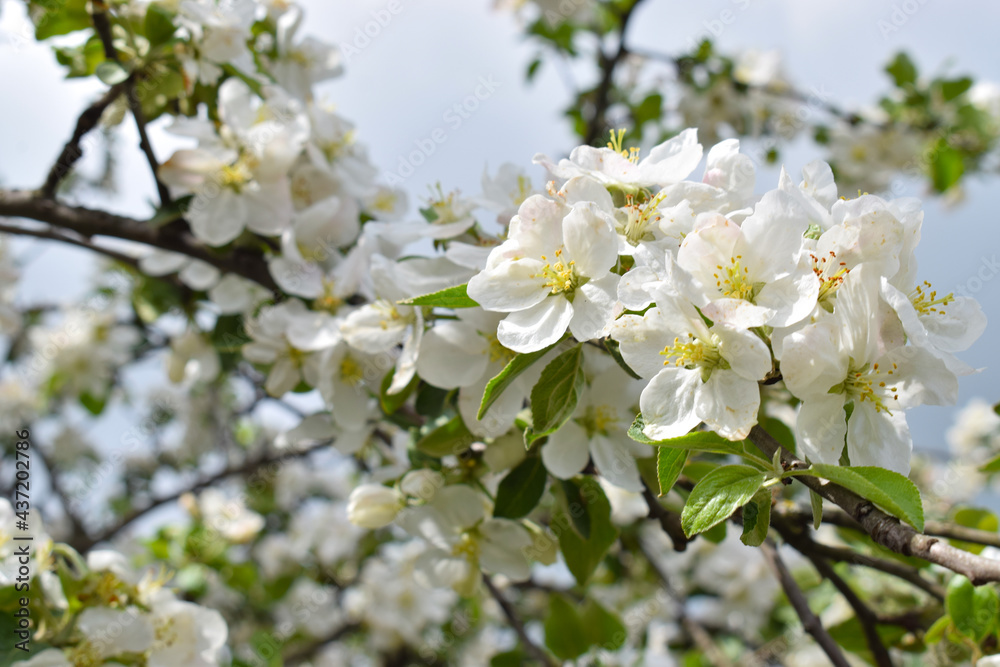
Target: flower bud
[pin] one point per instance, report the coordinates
(373, 506)
(422, 484)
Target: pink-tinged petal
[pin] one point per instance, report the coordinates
(536, 327)
(820, 428)
(668, 403)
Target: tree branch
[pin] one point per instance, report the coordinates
(103, 28)
(795, 534)
(795, 595)
(71, 151)
(608, 65)
(669, 521)
(866, 617)
(882, 528)
(91, 222)
(508, 610)
(245, 468)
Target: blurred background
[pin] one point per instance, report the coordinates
(401, 84)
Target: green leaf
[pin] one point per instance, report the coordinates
(935, 633)
(533, 70)
(555, 395)
(450, 297)
(974, 517)
(947, 166)
(669, 463)
(504, 378)
(717, 495)
(158, 25)
(565, 634)
(584, 555)
(889, 490)
(390, 403)
(816, 502)
(756, 518)
(522, 488)
(452, 437)
(576, 506)
(111, 72)
(902, 70)
(601, 627)
(648, 110)
(950, 89)
(991, 466)
(704, 441)
(61, 17)
(973, 610)
(94, 404)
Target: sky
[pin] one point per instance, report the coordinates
(401, 84)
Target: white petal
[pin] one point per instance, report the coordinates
(668, 403)
(820, 428)
(566, 453)
(879, 439)
(537, 327)
(615, 462)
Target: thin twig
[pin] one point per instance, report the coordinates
(248, 467)
(608, 65)
(508, 610)
(798, 600)
(103, 28)
(866, 617)
(71, 151)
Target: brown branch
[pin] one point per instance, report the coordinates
(71, 151)
(608, 65)
(955, 532)
(669, 521)
(866, 617)
(797, 598)
(92, 222)
(246, 468)
(785, 522)
(55, 484)
(508, 610)
(103, 28)
(882, 528)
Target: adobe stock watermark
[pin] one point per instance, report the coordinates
(714, 27)
(363, 35)
(454, 116)
(899, 16)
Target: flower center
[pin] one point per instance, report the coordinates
(388, 312)
(831, 274)
(350, 371)
(926, 302)
(631, 154)
(467, 546)
(640, 219)
(329, 301)
(239, 173)
(869, 384)
(496, 350)
(598, 419)
(734, 282)
(695, 353)
(560, 276)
